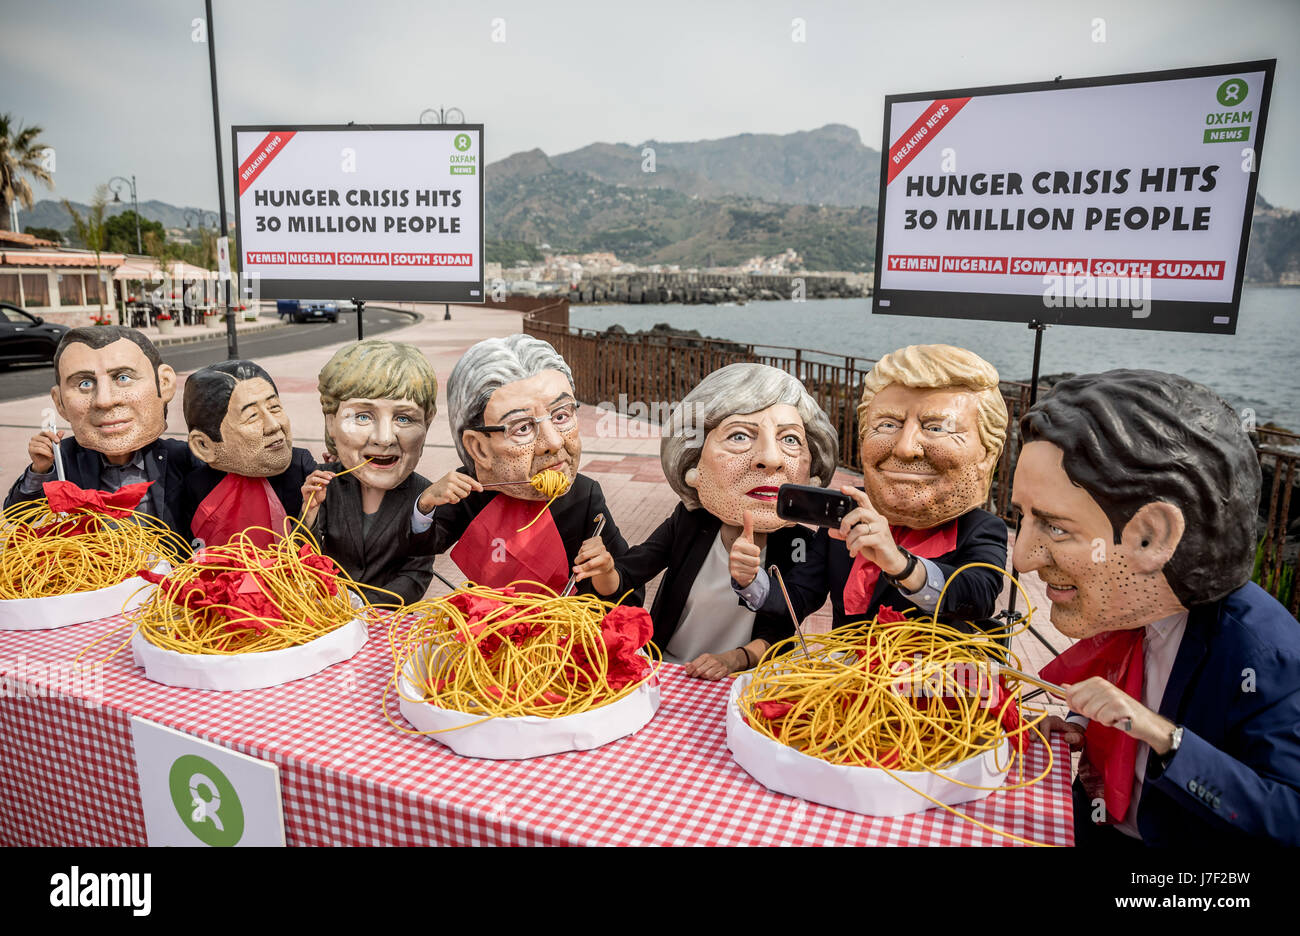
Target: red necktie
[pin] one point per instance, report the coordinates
(493, 552)
(237, 504)
(928, 544)
(1115, 656)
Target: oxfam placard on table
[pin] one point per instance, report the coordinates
(195, 793)
(372, 212)
(1122, 201)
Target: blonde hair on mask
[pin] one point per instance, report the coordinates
(375, 369)
(935, 367)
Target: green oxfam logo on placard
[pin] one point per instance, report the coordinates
(462, 141)
(1232, 92)
(206, 801)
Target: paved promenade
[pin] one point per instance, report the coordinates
(622, 455)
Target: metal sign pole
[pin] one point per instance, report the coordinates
(232, 339)
(1037, 328)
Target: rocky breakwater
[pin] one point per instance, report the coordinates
(712, 288)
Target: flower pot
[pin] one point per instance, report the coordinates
(166, 325)
(213, 321)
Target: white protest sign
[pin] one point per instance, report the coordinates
(197, 793)
(223, 257)
(995, 200)
(393, 212)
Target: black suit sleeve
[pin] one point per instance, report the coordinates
(451, 520)
(639, 564)
(410, 580)
(617, 546)
(16, 495)
(808, 582)
(974, 593)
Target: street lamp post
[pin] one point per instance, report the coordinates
(201, 216)
(443, 115)
(135, 205)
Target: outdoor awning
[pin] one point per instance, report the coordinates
(146, 268)
(38, 258)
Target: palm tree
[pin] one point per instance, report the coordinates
(20, 153)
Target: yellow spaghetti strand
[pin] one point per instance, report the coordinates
(915, 695)
(549, 483)
(298, 595)
(537, 653)
(43, 554)
(311, 498)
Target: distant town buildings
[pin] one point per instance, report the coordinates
(559, 273)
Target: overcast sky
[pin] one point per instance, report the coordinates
(120, 87)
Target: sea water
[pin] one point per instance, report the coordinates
(1258, 368)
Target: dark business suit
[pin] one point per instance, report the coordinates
(680, 545)
(166, 463)
(981, 537)
(574, 514)
(389, 555)
(1235, 689)
(287, 485)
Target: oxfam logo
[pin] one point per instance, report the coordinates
(462, 141)
(1232, 92)
(206, 801)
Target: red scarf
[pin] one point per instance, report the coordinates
(492, 552)
(236, 504)
(1115, 656)
(66, 497)
(928, 544)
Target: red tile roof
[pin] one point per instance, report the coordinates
(24, 240)
(47, 259)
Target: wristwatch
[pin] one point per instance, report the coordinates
(1175, 739)
(898, 580)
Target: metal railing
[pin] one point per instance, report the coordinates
(1279, 460)
(664, 368)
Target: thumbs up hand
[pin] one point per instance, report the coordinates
(745, 554)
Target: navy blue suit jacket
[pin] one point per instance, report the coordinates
(166, 463)
(1235, 689)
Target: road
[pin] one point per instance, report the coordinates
(25, 380)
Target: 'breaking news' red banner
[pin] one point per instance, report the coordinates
(261, 157)
(916, 137)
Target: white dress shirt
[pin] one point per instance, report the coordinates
(712, 621)
(1159, 650)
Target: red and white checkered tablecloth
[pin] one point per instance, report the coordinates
(67, 768)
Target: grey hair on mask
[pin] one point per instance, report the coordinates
(486, 368)
(741, 388)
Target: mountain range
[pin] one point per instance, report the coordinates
(50, 213)
(713, 203)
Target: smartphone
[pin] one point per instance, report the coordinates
(804, 503)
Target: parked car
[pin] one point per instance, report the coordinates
(308, 310)
(25, 337)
